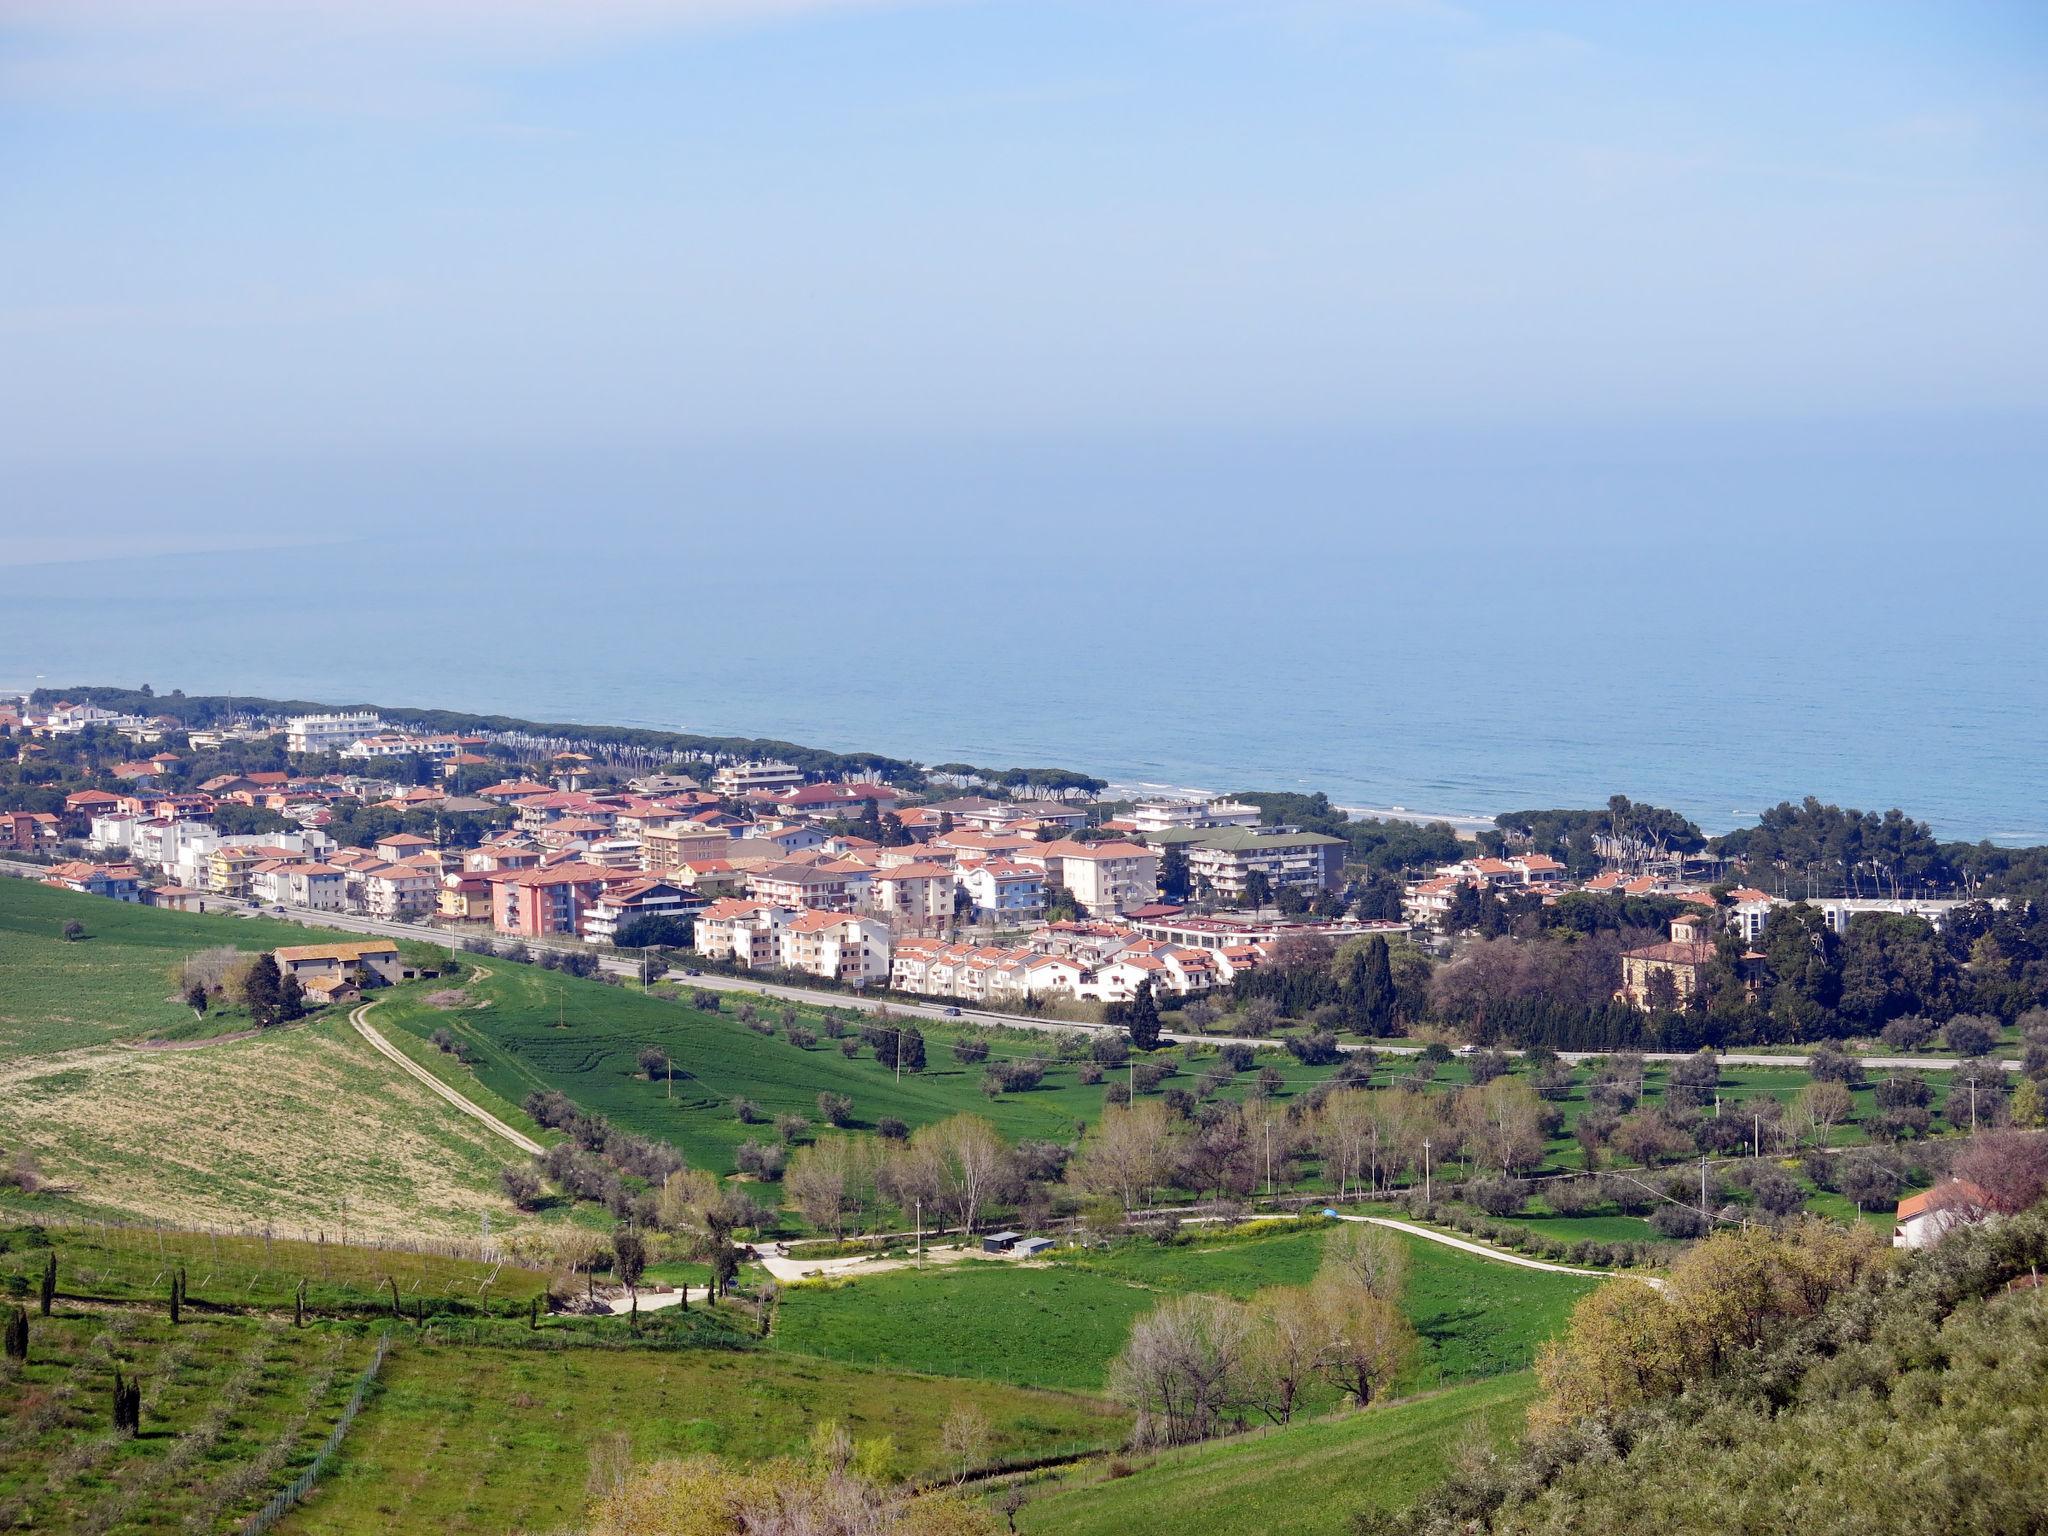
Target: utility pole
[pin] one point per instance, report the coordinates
(1703, 1184)
(668, 1072)
(1425, 1171)
(920, 1229)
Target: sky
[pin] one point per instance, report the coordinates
(271, 269)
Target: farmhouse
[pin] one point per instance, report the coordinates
(322, 968)
(1925, 1219)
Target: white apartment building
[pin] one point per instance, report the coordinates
(746, 778)
(744, 932)
(330, 732)
(1167, 815)
(401, 892)
(851, 949)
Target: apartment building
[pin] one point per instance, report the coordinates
(547, 903)
(402, 892)
(840, 945)
(736, 779)
(1149, 816)
(642, 896)
(743, 932)
(1222, 859)
(1106, 877)
(916, 895)
(1004, 891)
(664, 848)
(330, 732)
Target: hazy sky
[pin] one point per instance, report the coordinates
(251, 232)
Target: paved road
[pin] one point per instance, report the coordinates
(379, 927)
(475, 1111)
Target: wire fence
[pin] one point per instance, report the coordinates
(301, 1485)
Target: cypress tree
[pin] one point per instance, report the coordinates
(176, 1297)
(49, 1291)
(1142, 1019)
(17, 1334)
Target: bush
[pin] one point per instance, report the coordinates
(1497, 1197)
(746, 1111)
(1573, 1197)
(790, 1127)
(837, 1108)
(1236, 1056)
(969, 1050)
(1090, 1073)
(1908, 1033)
(762, 1159)
(849, 1048)
(1970, 1034)
(801, 1037)
(1316, 1050)
(1678, 1221)
(1112, 1050)
(889, 1128)
(522, 1185)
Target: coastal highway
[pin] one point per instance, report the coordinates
(350, 922)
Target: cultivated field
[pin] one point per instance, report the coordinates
(490, 1440)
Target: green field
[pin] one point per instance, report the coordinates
(488, 1440)
(231, 1409)
(1060, 1325)
(533, 1029)
(1304, 1480)
(115, 983)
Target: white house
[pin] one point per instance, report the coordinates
(330, 732)
(1925, 1219)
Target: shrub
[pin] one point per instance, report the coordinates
(1678, 1221)
(889, 1128)
(1970, 1034)
(790, 1127)
(1497, 1197)
(969, 1050)
(1236, 1056)
(522, 1185)
(704, 1000)
(746, 1111)
(837, 1108)
(849, 1048)
(1314, 1050)
(801, 1037)
(1090, 1073)
(762, 1159)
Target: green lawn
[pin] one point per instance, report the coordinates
(114, 984)
(1061, 1325)
(1304, 1480)
(232, 1408)
(488, 1440)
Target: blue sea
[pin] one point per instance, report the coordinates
(1398, 627)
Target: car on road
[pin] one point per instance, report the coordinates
(691, 970)
(951, 1012)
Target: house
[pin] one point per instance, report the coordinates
(402, 892)
(116, 882)
(174, 898)
(1925, 1219)
(1105, 878)
(1222, 860)
(1667, 975)
(547, 902)
(744, 932)
(916, 895)
(1005, 891)
(828, 886)
(91, 802)
(832, 801)
(840, 945)
(464, 897)
(643, 896)
(402, 845)
(365, 963)
(290, 883)
(1426, 903)
(27, 831)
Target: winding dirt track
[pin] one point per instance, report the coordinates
(358, 1017)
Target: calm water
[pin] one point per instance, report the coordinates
(1443, 663)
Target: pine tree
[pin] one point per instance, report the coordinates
(263, 990)
(1173, 873)
(1142, 1019)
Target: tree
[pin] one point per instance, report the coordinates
(522, 1185)
(2010, 1167)
(1174, 882)
(1289, 1341)
(262, 991)
(17, 1334)
(910, 1049)
(1126, 1154)
(836, 1108)
(1141, 1019)
(653, 1062)
(961, 1162)
(48, 1293)
(629, 1260)
(291, 999)
(1184, 1368)
(74, 930)
(1369, 997)
(833, 1178)
(1258, 890)
(964, 1441)
(1969, 1035)
(1368, 1257)
(1370, 1341)
(196, 1000)
(1502, 1121)
(1820, 1107)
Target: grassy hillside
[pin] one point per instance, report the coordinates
(533, 1029)
(114, 984)
(1060, 1325)
(489, 1440)
(304, 1130)
(1303, 1480)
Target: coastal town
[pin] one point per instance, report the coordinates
(756, 865)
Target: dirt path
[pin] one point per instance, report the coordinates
(476, 1112)
(1499, 1256)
